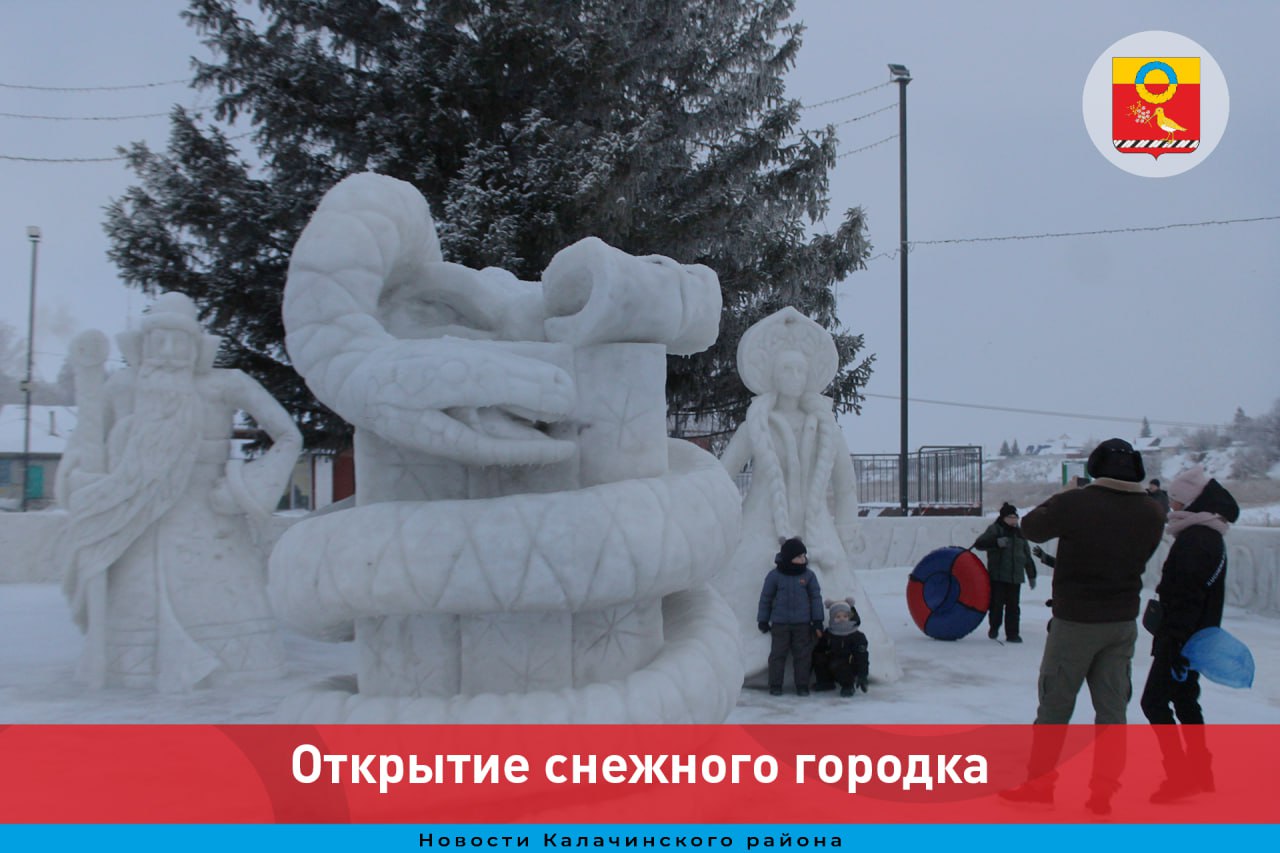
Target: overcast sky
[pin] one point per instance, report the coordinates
(1177, 325)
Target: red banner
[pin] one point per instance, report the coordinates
(612, 774)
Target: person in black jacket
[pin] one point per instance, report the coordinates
(1008, 563)
(1192, 590)
(1161, 496)
(841, 654)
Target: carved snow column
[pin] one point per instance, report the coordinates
(445, 652)
(596, 293)
(595, 296)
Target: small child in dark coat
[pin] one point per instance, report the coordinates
(791, 611)
(841, 655)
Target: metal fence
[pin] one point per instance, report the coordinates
(940, 481)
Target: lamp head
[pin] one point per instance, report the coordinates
(899, 73)
(33, 232)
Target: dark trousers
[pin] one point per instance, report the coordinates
(1162, 691)
(830, 669)
(796, 640)
(1183, 749)
(1006, 607)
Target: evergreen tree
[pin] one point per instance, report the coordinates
(1145, 432)
(1240, 424)
(658, 126)
(1004, 448)
(1014, 450)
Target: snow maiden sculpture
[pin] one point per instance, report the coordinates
(800, 474)
(527, 544)
(161, 567)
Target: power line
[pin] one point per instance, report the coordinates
(82, 118)
(1052, 234)
(1016, 410)
(865, 147)
(845, 97)
(865, 115)
(183, 81)
(117, 158)
(61, 159)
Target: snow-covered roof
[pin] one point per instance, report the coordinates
(50, 427)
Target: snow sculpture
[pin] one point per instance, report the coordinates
(800, 470)
(161, 566)
(527, 544)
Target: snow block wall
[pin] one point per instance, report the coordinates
(1253, 577)
(26, 546)
(1253, 562)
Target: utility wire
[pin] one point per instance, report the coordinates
(89, 159)
(865, 147)
(183, 81)
(1093, 233)
(60, 159)
(911, 246)
(845, 97)
(82, 118)
(865, 115)
(1015, 410)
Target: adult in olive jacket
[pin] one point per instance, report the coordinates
(1106, 532)
(1008, 564)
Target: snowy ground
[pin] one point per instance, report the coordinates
(972, 681)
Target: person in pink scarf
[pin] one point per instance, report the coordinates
(1191, 591)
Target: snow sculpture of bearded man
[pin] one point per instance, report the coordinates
(161, 566)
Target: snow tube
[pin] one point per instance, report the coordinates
(948, 593)
(1220, 657)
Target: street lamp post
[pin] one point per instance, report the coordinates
(33, 234)
(900, 75)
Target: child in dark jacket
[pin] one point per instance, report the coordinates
(1008, 563)
(791, 611)
(841, 654)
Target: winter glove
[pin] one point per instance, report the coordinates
(763, 626)
(816, 625)
(1002, 542)
(861, 683)
(1038, 551)
(1031, 581)
(1179, 669)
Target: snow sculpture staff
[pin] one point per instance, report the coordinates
(160, 569)
(800, 466)
(527, 545)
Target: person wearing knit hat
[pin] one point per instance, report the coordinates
(790, 611)
(1106, 532)
(841, 654)
(1188, 485)
(1191, 591)
(1008, 564)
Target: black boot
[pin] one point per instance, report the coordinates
(1199, 760)
(1179, 782)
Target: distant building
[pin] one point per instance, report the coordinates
(50, 426)
(1063, 445)
(318, 480)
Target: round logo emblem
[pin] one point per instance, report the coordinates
(1155, 104)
